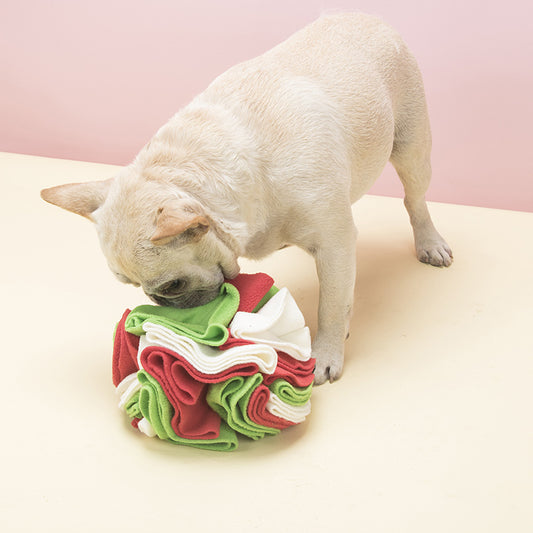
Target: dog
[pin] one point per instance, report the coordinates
(273, 153)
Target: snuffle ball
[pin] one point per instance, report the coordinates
(239, 365)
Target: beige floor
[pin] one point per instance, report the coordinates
(429, 430)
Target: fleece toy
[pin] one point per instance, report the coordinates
(239, 365)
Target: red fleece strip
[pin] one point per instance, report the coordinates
(125, 350)
(297, 373)
(252, 289)
(258, 413)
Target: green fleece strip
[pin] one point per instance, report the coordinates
(132, 406)
(206, 324)
(273, 290)
(290, 394)
(156, 408)
(230, 400)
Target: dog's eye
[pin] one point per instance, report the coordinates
(172, 287)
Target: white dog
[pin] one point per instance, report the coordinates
(272, 153)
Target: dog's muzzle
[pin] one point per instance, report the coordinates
(185, 300)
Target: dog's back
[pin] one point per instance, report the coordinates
(345, 81)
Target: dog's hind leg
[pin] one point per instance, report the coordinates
(411, 159)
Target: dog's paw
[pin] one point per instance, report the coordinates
(328, 367)
(436, 253)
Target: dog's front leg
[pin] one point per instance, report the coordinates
(335, 263)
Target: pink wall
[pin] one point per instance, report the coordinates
(93, 80)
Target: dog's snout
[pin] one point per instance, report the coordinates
(169, 293)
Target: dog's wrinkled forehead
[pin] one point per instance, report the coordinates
(147, 233)
(124, 224)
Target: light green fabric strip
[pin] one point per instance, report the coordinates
(230, 400)
(132, 406)
(290, 394)
(206, 324)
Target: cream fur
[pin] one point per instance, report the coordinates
(273, 153)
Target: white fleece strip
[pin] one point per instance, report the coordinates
(279, 323)
(127, 388)
(205, 358)
(146, 428)
(292, 413)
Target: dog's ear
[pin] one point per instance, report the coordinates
(80, 198)
(179, 217)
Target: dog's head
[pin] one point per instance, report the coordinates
(154, 237)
